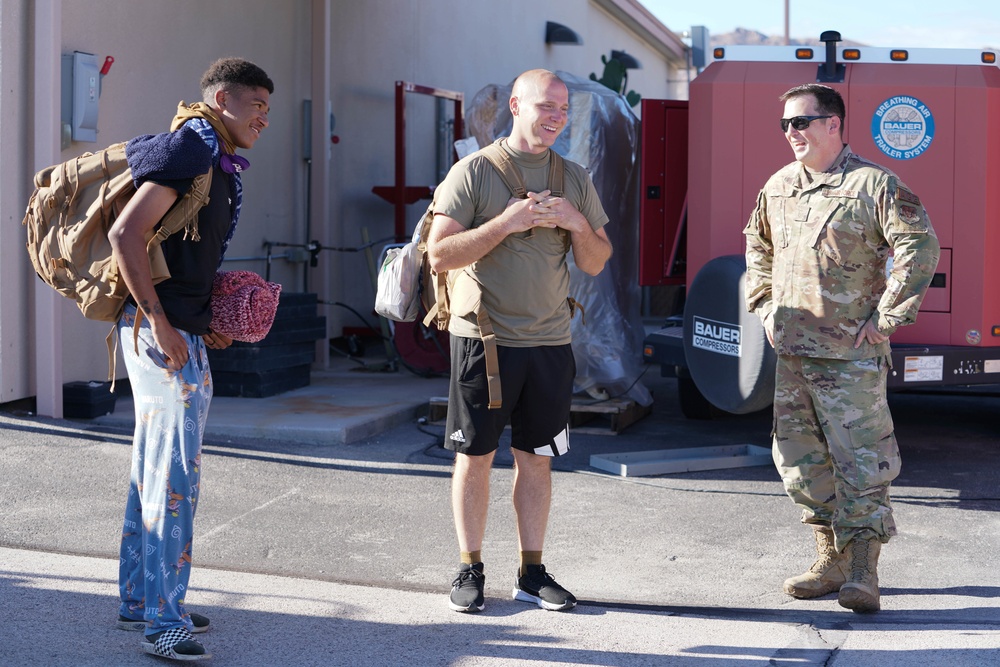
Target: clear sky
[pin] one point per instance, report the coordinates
(911, 24)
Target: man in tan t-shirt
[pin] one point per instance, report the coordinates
(515, 251)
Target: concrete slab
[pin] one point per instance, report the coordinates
(344, 404)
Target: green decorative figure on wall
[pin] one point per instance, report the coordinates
(615, 77)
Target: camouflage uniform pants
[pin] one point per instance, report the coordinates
(834, 444)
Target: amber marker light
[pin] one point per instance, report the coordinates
(852, 54)
(719, 53)
(989, 57)
(804, 54)
(899, 55)
(996, 330)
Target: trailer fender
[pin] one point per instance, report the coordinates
(725, 347)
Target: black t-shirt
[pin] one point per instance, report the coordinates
(186, 296)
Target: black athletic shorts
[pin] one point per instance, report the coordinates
(537, 386)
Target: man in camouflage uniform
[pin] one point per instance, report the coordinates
(818, 243)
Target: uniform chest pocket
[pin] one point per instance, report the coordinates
(841, 233)
(827, 237)
(781, 213)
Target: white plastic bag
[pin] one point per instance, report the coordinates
(397, 297)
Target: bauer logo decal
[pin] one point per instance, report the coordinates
(903, 127)
(718, 337)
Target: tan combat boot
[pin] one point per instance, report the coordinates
(826, 575)
(860, 593)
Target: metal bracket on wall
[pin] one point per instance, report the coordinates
(400, 194)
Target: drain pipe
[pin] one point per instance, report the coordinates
(319, 166)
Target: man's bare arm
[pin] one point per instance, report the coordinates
(128, 241)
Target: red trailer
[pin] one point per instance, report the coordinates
(930, 115)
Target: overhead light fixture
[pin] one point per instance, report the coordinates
(627, 61)
(557, 33)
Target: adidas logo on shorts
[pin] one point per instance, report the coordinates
(458, 436)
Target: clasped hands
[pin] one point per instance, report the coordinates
(541, 209)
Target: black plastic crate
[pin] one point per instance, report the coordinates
(87, 400)
(278, 363)
(260, 385)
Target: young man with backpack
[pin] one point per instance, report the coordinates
(513, 252)
(168, 366)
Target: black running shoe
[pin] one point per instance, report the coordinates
(539, 587)
(467, 588)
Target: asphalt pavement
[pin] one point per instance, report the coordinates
(324, 537)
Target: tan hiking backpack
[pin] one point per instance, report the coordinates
(67, 222)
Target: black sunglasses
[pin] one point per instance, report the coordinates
(799, 122)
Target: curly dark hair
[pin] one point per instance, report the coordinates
(234, 71)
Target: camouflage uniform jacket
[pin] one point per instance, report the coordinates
(817, 250)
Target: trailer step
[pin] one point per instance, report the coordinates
(688, 459)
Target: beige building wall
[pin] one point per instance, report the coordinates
(162, 48)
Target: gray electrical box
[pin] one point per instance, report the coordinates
(81, 91)
(699, 46)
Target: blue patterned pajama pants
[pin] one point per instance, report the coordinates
(170, 412)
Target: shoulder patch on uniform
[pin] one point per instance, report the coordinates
(909, 215)
(905, 195)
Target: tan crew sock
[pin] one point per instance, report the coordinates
(471, 557)
(529, 558)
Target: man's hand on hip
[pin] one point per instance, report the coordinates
(869, 331)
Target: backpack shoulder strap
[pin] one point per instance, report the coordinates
(511, 177)
(557, 169)
(492, 359)
(425, 228)
(501, 161)
(185, 212)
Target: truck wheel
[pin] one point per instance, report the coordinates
(693, 403)
(725, 347)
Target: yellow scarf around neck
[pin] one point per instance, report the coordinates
(202, 110)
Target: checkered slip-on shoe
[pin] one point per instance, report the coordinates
(175, 644)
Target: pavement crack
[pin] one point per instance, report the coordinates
(223, 526)
(811, 647)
